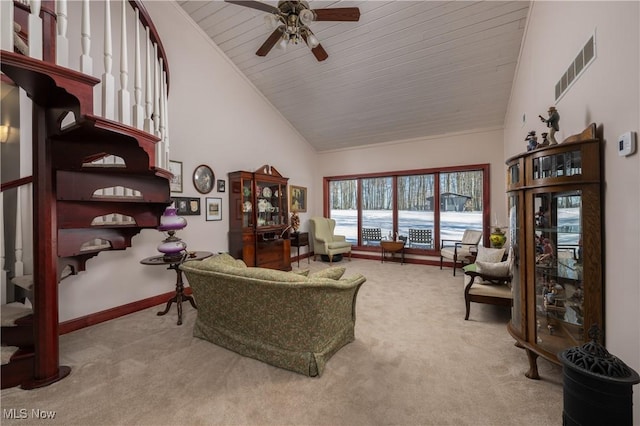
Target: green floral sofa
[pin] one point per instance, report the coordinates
(286, 319)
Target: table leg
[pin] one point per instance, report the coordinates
(180, 296)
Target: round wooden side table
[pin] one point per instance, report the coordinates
(392, 247)
(175, 265)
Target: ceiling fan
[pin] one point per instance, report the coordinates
(291, 20)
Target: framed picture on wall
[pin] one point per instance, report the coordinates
(298, 198)
(187, 206)
(175, 184)
(221, 185)
(213, 208)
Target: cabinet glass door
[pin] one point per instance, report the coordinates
(247, 203)
(559, 292)
(557, 165)
(268, 196)
(517, 289)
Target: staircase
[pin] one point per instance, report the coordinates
(96, 184)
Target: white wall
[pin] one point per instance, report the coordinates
(216, 118)
(608, 94)
(477, 147)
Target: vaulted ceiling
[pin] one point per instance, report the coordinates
(407, 69)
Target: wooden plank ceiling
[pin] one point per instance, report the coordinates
(407, 69)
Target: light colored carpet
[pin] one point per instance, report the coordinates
(415, 361)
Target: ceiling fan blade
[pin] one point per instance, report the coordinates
(270, 42)
(337, 14)
(255, 5)
(317, 51)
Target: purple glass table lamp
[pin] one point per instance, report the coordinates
(172, 247)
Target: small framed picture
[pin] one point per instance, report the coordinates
(214, 208)
(221, 185)
(175, 167)
(187, 206)
(298, 198)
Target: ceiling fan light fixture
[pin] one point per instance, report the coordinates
(271, 21)
(313, 41)
(306, 16)
(284, 40)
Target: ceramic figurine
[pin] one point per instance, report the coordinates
(545, 141)
(552, 124)
(532, 140)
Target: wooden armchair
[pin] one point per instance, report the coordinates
(458, 251)
(489, 283)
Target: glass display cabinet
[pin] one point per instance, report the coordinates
(258, 218)
(555, 215)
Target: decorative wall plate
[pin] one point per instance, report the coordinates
(203, 179)
(266, 192)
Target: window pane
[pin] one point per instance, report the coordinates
(416, 207)
(377, 205)
(343, 208)
(460, 203)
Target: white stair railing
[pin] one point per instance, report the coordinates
(74, 19)
(147, 111)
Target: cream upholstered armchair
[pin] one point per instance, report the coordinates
(458, 251)
(325, 242)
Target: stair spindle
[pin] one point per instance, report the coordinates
(62, 42)
(138, 112)
(124, 98)
(86, 62)
(108, 82)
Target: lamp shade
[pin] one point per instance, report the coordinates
(170, 221)
(284, 41)
(313, 41)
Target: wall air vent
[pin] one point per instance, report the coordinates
(582, 60)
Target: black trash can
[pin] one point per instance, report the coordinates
(597, 386)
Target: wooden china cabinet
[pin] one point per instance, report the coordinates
(555, 226)
(258, 218)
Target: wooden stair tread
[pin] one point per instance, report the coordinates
(50, 85)
(12, 312)
(7, 353)
(24, 281)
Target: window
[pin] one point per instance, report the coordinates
(343, 205)
(460, 203)
(416, 206)
(377, 204)
(438, 203)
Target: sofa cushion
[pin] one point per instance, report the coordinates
(266, 274)
(304, 272)
(334, 272)
(221, 259)
(489, 255)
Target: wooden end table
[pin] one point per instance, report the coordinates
(175, 265)
(300, 239)
(392, 247)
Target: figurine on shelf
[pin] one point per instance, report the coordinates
(545, 141)
(547, 255)
(532, 140)
(541, 218)
(552, 124)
